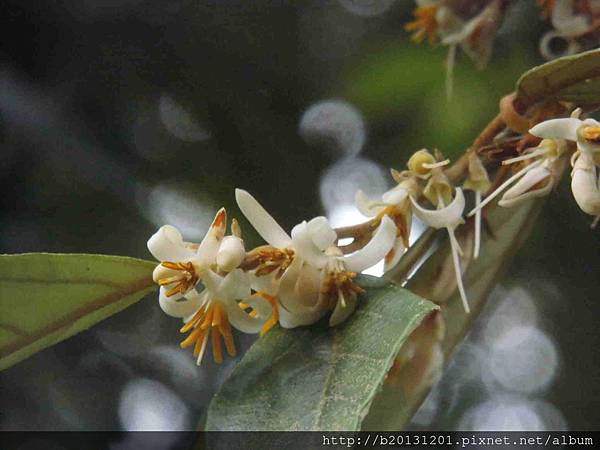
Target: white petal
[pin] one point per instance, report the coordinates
(366, 206)
(261, 220)
(299, 296)
(241, 320)
(212, 281)
(288, 319)
(231, 253)
(557, 129)
(167, 245)
(520, 191)
(266, 283)
(305, 246)
(321, 232)
(207, 251)
(584, 185)
(395, 196)
(342, 312)
(380, 244)
(450, 216)
(178, 305)
(299, 288)
(235, 285)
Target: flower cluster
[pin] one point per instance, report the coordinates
(538, 167)
(300, 277)
(472, 26)
(294, 280)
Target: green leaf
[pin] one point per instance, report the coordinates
(319, 378)
(397, 402)
(45, 297)
(573, 78)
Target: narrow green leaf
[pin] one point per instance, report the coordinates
(319, 378)
(397, 402)
(573, 78)
(45, 297)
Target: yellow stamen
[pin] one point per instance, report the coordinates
(425, 25)
(266, 259)
(216, 346)
(591, 133)
(184, 281)
(340, 284)
(274, 314)
(209, 320)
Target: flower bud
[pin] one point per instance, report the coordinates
(231, 253)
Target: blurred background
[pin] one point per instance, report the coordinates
(119, 117)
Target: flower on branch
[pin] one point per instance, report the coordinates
(585, 176)
(450, 204)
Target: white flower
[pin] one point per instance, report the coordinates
(447, 215)
(278, 270)
(584, 177)
(183, 264)
(534, 180)
(312, 249)
(219, 309)
(394, 204)
(315, 243)
(585, 132)
(585, 185)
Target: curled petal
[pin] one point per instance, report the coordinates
(207, 251)
(299, 289)
(243, 321)
(557, 129)
(522, 189)
(343, 310)
(585, 185)
(288, 319)
(375, 250)
(167, 245)
(447, 217)
(366, 206)
(261, 220)
(178, 305)
(231, 253)
(305, 246)
(321, 233)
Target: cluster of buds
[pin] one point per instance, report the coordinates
(575, 26)
(299, 278)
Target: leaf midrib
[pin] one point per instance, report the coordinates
(113, 297)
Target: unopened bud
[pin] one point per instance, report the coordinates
(231, 253)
